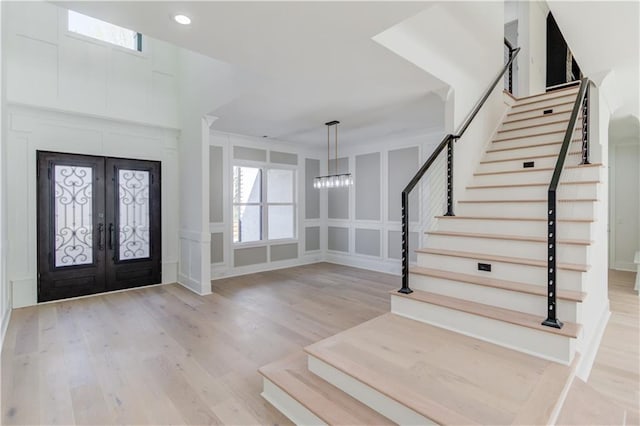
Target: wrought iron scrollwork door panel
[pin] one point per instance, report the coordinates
(98, 224)
(133, 214)
(71, 257)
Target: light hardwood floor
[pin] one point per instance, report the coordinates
(163, 355)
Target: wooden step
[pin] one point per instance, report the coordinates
(550, 96)
(567, 89)
(531, 157)
(537, 117)
(537, 290)
(500, 314)
(505, 259)
(324, 400)
(533, 126)
(525, 185)
(533, 169)
(585, 406)
(573, 200)
(554, 132)
(507, 237)
(535, 219)
(510, 114)
(533, 145)
(442, 375)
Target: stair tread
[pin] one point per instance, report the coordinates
(536, 219)
(534, 145)
(586, 406)
(324, 400)
(501, 314)
(508, 237)
(536, 117)
(444, 375)
(565, 200)
(532, 126)
(541, 108)
(563, 131)
(550, 97)
(520, 185)
(553, 92)
(538, 290)
(531, 157)
(532, 169)
(505, 259)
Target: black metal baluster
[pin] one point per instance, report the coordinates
(552, 320)
(405, 244)
(450, 177)
(585, 127)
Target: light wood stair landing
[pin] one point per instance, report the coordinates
(417, 373)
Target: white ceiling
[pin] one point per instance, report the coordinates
(314, 62)
(604, 36)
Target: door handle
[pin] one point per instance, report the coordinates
(111, 236)
(100, 231)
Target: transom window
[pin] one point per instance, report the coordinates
(100, 30)
(264, 205)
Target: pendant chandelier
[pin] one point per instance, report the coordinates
(335, 180)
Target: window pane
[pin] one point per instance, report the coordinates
(133, 209)
(247, 223)
(247, 185)
(280, 186)
(281, 222)
(95, 28)
(73, 204)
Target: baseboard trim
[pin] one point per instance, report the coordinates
(392, 267)
(585, 364)
(218, 273)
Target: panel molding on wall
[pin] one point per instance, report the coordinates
(367, 186)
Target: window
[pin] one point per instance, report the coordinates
(263, 199)
(95, 28)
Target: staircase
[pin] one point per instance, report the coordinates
(467, 345)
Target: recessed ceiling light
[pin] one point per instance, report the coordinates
(182, 19)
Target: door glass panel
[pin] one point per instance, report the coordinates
(73, 203)
(133, 214)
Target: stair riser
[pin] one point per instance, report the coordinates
(566, 253)
(546, 345)
(566, 279)
(287, 405)
(582, 191)
(364, 393)
(515, 145)
(573, 159)
(529, 111)
(530, 129)
(542, 120)
(522, 302)
(501, 141)
(565, 230)
(544, 101)
(566, 210)
(524, 152)
(580, 174)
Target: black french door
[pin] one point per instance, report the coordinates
(98, 224)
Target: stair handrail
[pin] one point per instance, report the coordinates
(509, 46)
(446, 142)
(581, 103)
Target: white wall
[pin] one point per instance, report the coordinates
(53, 68)
(624, 190)
(33, 129)
(5, 288)
(70, 93)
